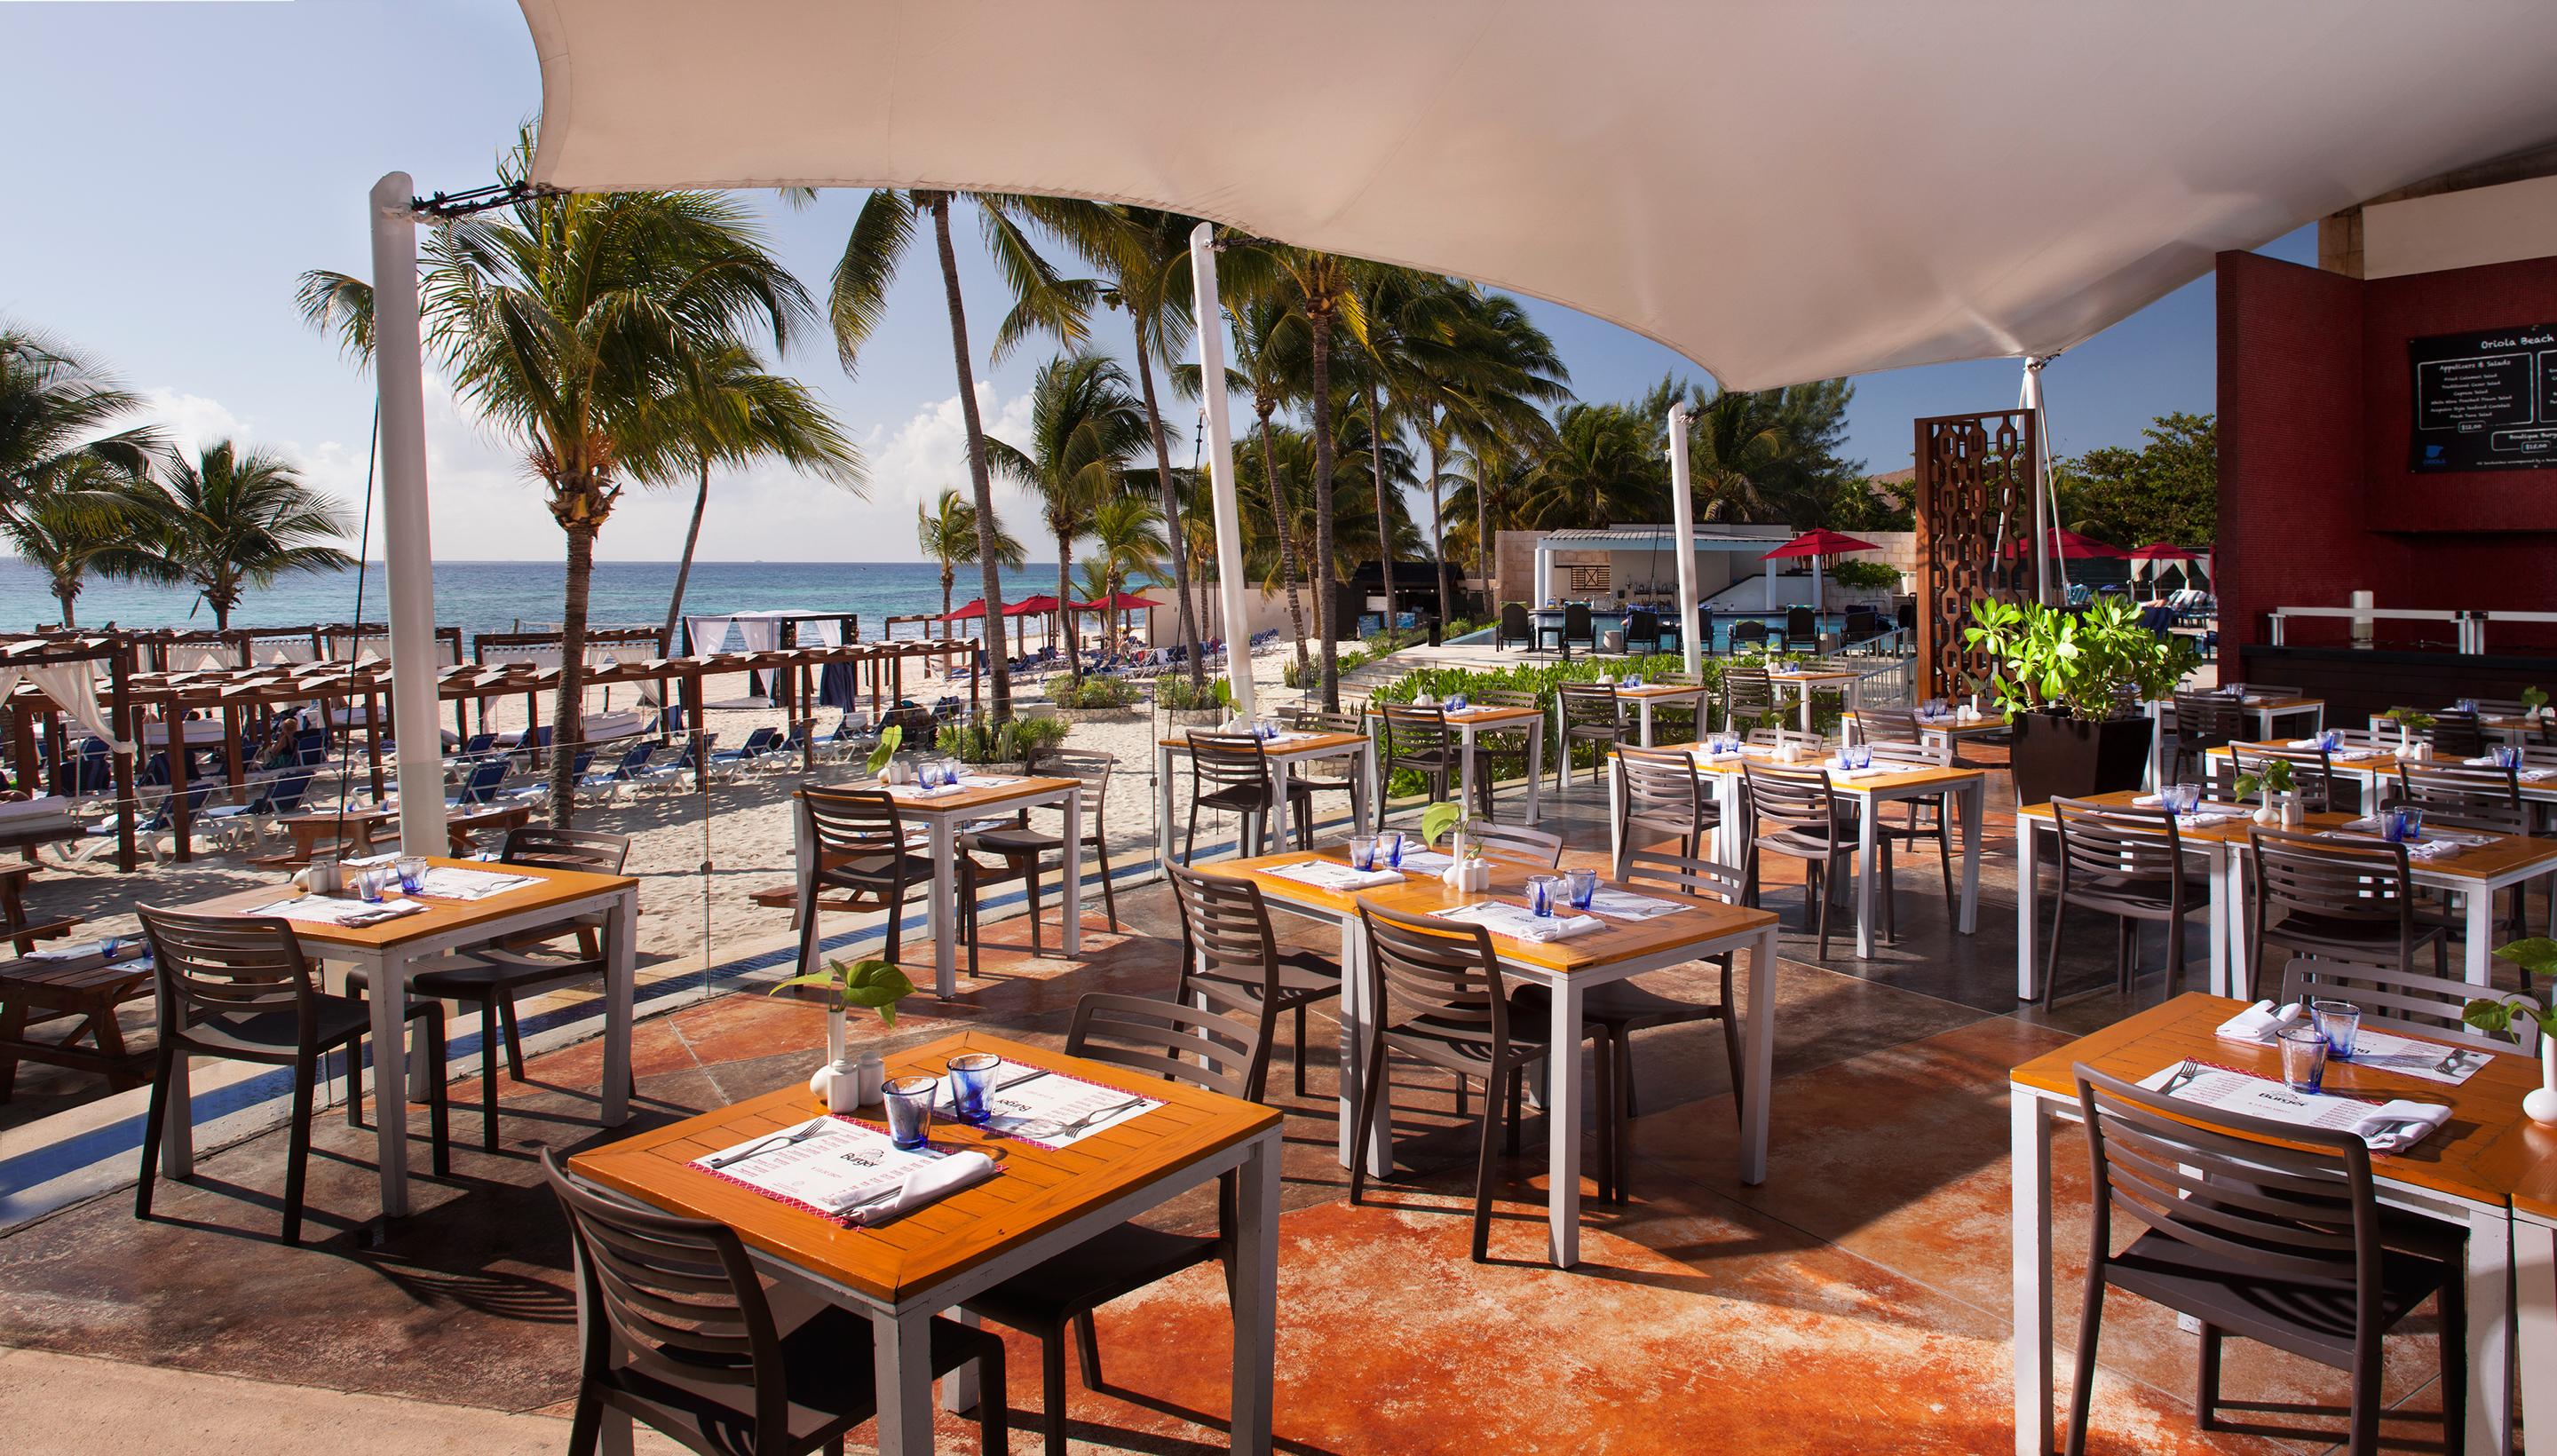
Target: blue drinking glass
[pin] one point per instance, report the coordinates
(2506, 756)
(2403, 825)
(1389, 845)
(1582, 885)
(2304, 1054)
(1540, 893)
(909, 1109)
(2342, 1023)
(1362, 851)
(971, 1076)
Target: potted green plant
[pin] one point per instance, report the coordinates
(1468, 872)
(2534, 703)
(2281, 796)
(2410, 722)
(2536, 955)
(2071, 685)
(1188, 707)
(845, 1083)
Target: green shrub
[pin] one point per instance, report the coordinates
(1094, 690)
(1016, 740)
(1175, 692)
(1865, 574)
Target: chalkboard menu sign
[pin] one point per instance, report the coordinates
(2484, 401)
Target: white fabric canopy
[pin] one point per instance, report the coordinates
(1780, 192)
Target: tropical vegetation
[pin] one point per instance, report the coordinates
(2166, 491)
(947, 532)
(227, 520)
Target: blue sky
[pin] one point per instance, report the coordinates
(192, 159)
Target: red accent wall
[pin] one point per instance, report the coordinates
(2315, 497)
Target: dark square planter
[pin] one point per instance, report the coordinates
(2068, 758)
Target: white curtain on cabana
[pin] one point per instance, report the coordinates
(73, 688)
(1780, 192)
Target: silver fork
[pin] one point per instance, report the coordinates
(2183, 1075)
(1097, 1115)
(773, 1144)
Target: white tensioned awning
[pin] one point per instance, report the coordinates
(1780, 192)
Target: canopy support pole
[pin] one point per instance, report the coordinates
(400, 374)
(2045, 511)
(1683, 524)
(1230, 578)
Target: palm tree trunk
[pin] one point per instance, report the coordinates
(1439, 533)
(1171, 508)
(1064, 595)
(999, 703)
(568, 710)
(1324, 558)
(1286, 540)
(1384, 530)
(949, 579)
(684, 568)
(64, 591)
(1483, 533)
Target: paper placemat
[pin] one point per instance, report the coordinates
(2386, 1127)
(1327, 875)
(1426, 862)
(2407, 1056)
(1054, 1109)
(833, 1167)
(1518, 922)
(330, 911)
(1626, 905)
(444, 883)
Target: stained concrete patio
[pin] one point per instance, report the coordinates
(1856, 1301)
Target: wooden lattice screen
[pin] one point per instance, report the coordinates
(1974, 505)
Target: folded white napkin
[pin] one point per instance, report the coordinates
(69, 950)
(2430, 849)
(2306, 744)
(2358, 755)
(1519, 923)
(1840, 770)
(2259, 1024)
(918, 792)
(937, 1179)
(985, 780)
(2377, 1130)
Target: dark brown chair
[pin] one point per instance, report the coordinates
(2456, 734)
(1813, 824)
(239, 987)
(2350, 900)
(1592, 713)
(1416, 740)
(1018, 847)
(1925, 817)
(1178, 1043)
(2258, 1228)
(1658, 789)
(2405, 1000)
(1619, 1008)
(1518, 841)
(1500, 751)
(1231, 959)
(492, 976)
(677, 1333)
(2127, 864)
(857, 843)
(2311, 774)
(2481, 799)
(1748, 693)
(1325, 775)
(1231, 772)
(1436, 995)
(2204, 722)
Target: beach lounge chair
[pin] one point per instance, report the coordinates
(668, 770)
(852, 736)
(283, 794)
(747, 755)
(478, 785)
(161, 823)
(633, 759)
(535, 786)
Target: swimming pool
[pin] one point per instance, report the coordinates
(1604, 623)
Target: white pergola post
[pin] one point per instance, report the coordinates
(1816, 583)
(399, 374)
(1683, 525)
(2044, 515)
(1543, 574)
(1230, 576)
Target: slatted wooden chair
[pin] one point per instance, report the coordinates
(1204, 1048)
(2127, 864)
(1231, 959)
(2353, 900)
(676, 1332)
(1658, 789)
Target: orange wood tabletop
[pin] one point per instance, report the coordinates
(2462, 1157)
(1422, 894)
(2501, 854)
(967, 800)
(556, 888)
(1040, 1189)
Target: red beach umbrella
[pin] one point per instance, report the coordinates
(2067, 545)
(1032, 607)
(1122, 601)
(971, 613)
(1822, 542)
(2161, 551)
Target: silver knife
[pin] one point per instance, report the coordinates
(2451, 1063)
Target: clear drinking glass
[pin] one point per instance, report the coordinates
(909, 1109)
(412, 871)
(2188, 797)
(2304, 1052)
(1362, 851)
(1583, 886)
(1389, 845)
(370, 884)
(971, 1076)
(1456, 703)
(2506, 756)
(1541, 890)
(2342, 1023)
(2402, 824)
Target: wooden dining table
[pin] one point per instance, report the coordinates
(390, 950)
(2465, 1174)
(1290, 750)
(1568, 969)
(1041, 1204)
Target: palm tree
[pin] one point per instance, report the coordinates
(1267, 343)
(55, 410)
(228, 520)
(947, 532)
(1127, 535)
(1145, 270)
(1084, 425)
(1602, 467)
(730, 412)
(568, 320)
(1323, 290)
(1483, 374)
(1406, 311)
(82, 522)
(1043, 302)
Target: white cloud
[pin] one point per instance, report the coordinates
(489, 508)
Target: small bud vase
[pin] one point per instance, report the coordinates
(2540, 1103)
